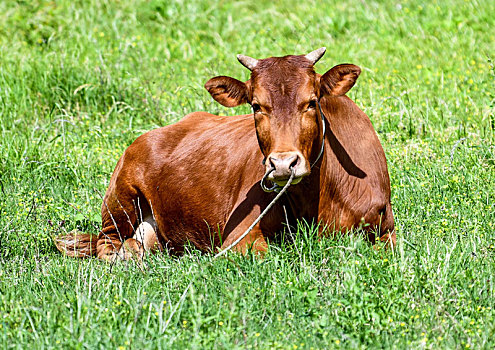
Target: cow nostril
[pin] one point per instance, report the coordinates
(272, 162)
(294, 162)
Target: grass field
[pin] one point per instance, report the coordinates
(80, 80)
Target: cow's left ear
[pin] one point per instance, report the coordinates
(338, 80)
(228, 91)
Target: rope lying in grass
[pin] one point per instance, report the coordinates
(233, 244)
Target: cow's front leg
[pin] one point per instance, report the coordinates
(244, 214)
(254, 240)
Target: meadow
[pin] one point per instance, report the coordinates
(80, 80)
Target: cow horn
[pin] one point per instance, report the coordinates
(315, 56)
(248, 62)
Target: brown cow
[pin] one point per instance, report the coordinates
(199, 179)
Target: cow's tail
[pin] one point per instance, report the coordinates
(76, 244)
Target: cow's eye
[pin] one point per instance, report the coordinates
(312, 104)
(256, 107)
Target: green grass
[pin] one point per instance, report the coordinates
(80, 80)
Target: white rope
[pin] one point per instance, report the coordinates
(233, 244)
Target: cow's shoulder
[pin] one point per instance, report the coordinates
(353, 141)
(356, 165)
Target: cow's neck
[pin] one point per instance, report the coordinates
(303, 198)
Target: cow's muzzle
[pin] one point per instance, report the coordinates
(279, 167)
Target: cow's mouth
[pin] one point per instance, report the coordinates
(283, 181)
(271, 183)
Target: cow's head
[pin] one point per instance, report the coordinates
(284, 94)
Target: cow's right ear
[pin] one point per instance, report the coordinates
(228, 91)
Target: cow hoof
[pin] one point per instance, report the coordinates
(147, 236)
(387, 241)
(390, 240)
